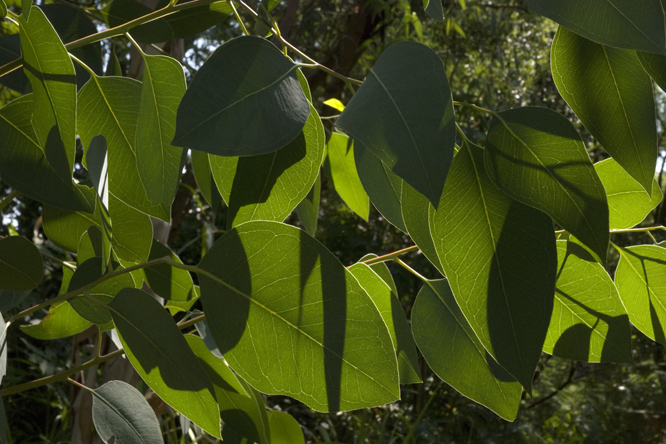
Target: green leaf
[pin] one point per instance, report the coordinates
(589, 322)
(641, 281)
(120, 411)
(26, 6)
(241, 408)
(3, 346)
(342, 170)
(434, 9)
(617, 108)
(500, 258)
(163, 359)
(173, 284)
(417, 211)
(270, 186)
(335, 104)
(10, 50)
(86, 273)
(610, 22)
(388, 304)
(456, 355)
(628, 204)
(158, 162)
(257, 105)
(196, 20)
(655, 66)
(47, 65)
(96, 159)
(21, 152)
(3, 9)
(284, 428)
(383, 186)
(308, 209)
(270, 291)
(21, 267)
(528, 146)
(119, 12)
(132, 230)
(403, 113)
(204, 178)
(110, 106)
(60, 322)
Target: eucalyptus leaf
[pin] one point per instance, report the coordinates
(256, 107)
(500, 259)
(270, 291)
(173, 284)
(3, 346)
(610, 22)
(417, 211)
(21, 267)
(341, 167)
(589, 322)
(618, 107)
(641, 281)
(120, 411)
(403, 113)
(434, 9)
(628, 203)
(204, 178)
(3, 9)
(284, 428)
(453, 351)
(10, 50)
(527, 146)
(60, 322)
(308, 209)
(655, 66)
(161, 356)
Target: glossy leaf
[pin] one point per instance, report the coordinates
(528, 146)
(173, 284)
(242, 410)
(500, 259)
(291, 320)
(589, 322)
(245, 100)
(157, 161)
(308, 209)
(386, 300)
(110, 106)
(617, 108)
(284, 428)
(21, 266)
(342, 170)
(120, 411)
(49, 68)
(455, 354)
(403, 113)
(610, 22)
(60, 322)
(641, 280)
(287, 175)
(628, 203)
(163, 359)
(383, 186)
(48, 183)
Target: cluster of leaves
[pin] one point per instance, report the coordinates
(279, 313)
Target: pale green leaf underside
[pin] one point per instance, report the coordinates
(342, 169)
(291, 320)
(60, 322)
(284, 428)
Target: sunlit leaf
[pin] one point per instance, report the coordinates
(455, 354)
(528, 146)
(245, 100)
(641, 281)
(617, 107)
(589, 322)
(204, 178)
(21, 266)
(610, 22)
(342, 170)
(417, 212)
(403, 113)
(120, 411)
(291, 320)
(159, 353)
(308, 209)
(284, 428)
(500, 259)
(60, 322)
(628, 203)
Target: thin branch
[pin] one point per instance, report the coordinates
(7, 200)
(390, 256)
(561, 387)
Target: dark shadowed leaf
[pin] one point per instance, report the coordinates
(204, 178)
(159, 353)
(617, 107)
(589, 322)
(434, 9)
(500, 259)
(417, 212)
(173, 284)
(245, 100)
(655, 66)
(617, 23)
(21, 267)
(122, 412)
(308, 209)
(290, 319)
(528, 146)
(456, 355)
(403, 113)
(341, 168)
